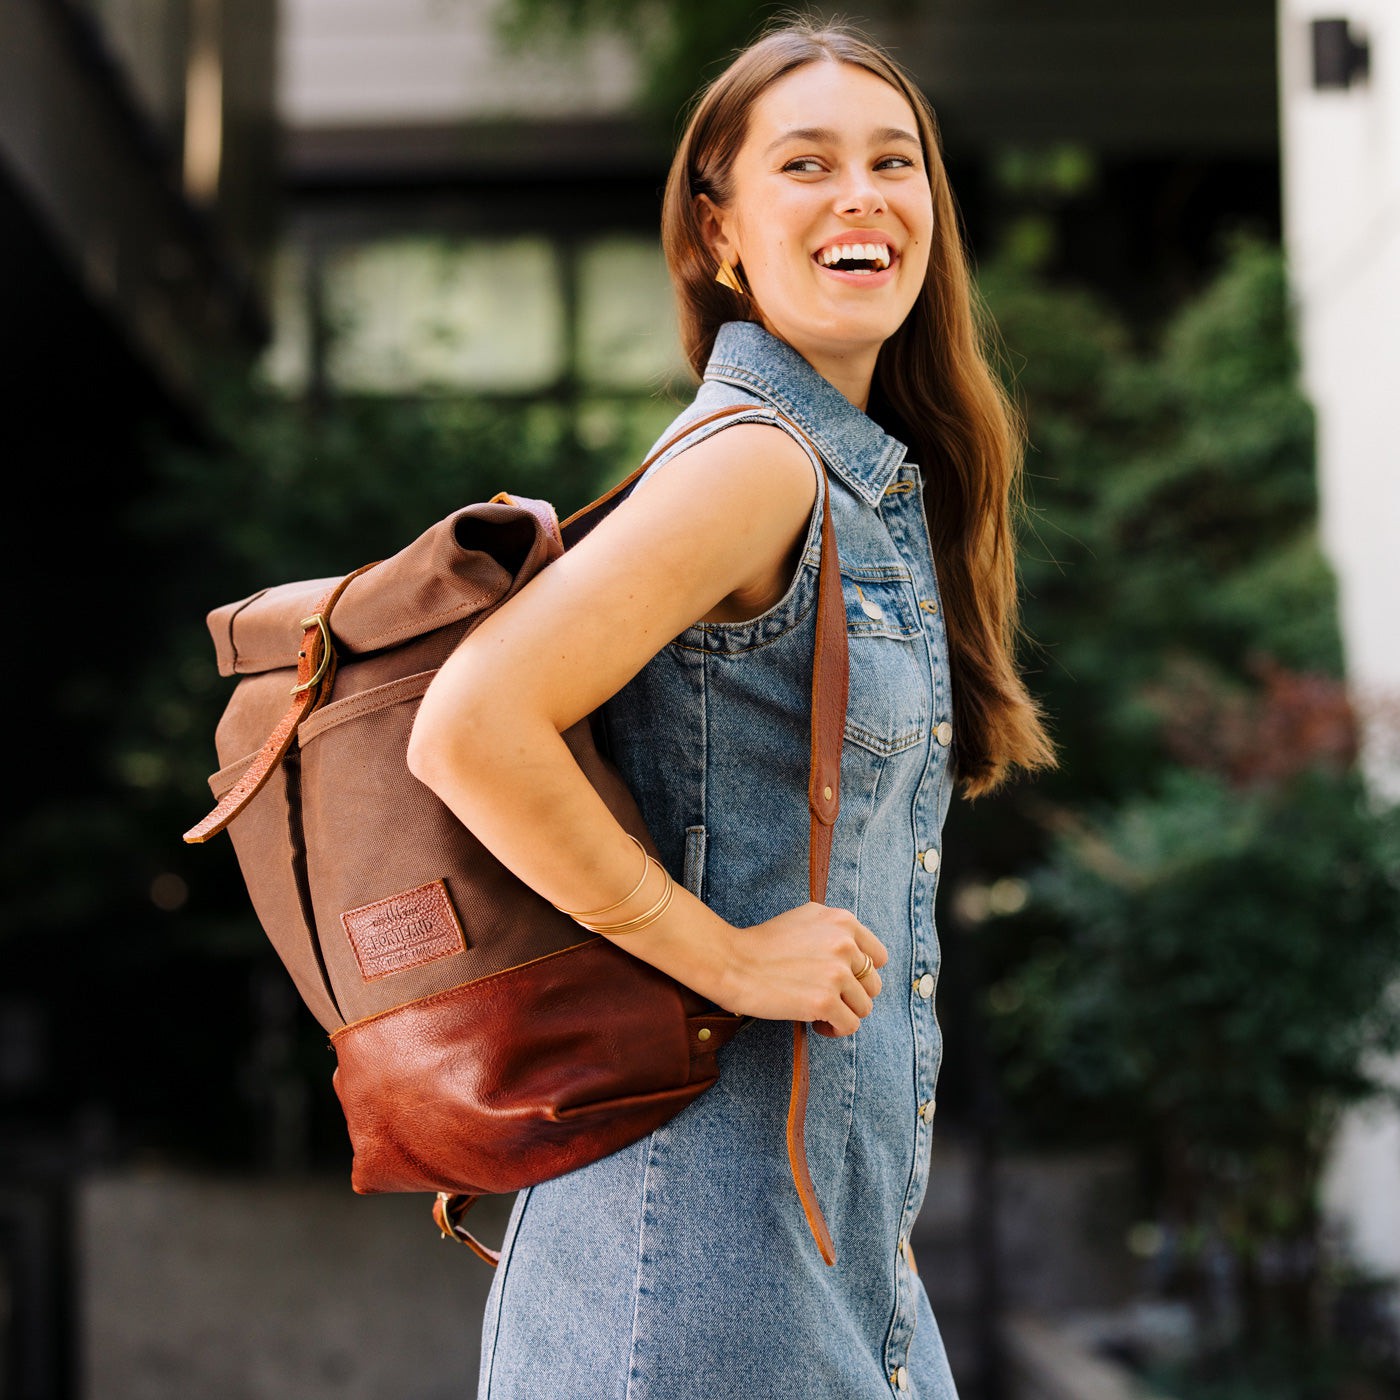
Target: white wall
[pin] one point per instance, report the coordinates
(1341, 152)
(1341, 169)
(367, 62)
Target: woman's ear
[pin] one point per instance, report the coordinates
(714, 229)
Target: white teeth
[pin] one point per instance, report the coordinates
(877, 253)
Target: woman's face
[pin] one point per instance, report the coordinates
(829, 216)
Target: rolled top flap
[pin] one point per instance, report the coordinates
(470, 561)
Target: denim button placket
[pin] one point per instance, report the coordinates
(690, 732)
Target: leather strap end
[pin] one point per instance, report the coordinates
(315, 677)
(824, 797)
(797, 1146)
(448, 1211)
(257, 774)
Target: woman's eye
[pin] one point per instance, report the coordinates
(893, 163)
(803, 165)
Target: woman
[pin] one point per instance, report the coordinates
(812, 239)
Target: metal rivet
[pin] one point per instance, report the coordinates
(929, 605)
(703, 1033)
(826, 793)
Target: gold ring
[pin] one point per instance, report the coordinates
(865, 971)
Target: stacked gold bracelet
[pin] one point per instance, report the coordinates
(589, 919)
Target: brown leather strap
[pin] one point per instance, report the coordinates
(315, 673)
(606, 503)
(830, 689)
(448, 1211)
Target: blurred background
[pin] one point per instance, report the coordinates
(287, 280)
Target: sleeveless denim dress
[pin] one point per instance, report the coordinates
(682, 1268)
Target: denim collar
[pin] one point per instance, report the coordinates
(853, 444)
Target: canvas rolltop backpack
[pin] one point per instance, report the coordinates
(466, 1011)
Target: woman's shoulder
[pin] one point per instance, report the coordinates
(720, 408)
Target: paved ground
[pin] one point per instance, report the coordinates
(197, 1288)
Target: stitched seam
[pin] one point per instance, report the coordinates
(420, 627)
(855, 904)
(878, 743)
(688, 439)
(876, 573)
(879, 629)
(781, 401)
(235, 660)
(766, 416)
(869, 492)
(705, 750)
(642, 1233)
(357, 706)
(723, 652)
(450, 991)
(503, 1275)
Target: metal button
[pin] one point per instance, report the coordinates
(703, 1033)
(929, 605)
(826, 793)
(925, 985)
(929, 859)
(901, 1378)
(944, 733)
(872, 609)
(927, 1109)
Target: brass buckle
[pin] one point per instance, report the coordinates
(320, 621)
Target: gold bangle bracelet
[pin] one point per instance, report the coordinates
(593, 913)
(642, 920)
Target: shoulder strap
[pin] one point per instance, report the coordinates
(830, 684)
(830, 689)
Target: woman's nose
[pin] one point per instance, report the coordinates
(859, 194)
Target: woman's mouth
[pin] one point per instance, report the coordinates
(859, 259)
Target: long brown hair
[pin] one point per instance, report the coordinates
(934, 372)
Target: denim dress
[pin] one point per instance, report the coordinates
(682, 1268)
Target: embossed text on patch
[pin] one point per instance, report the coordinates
(405, 930)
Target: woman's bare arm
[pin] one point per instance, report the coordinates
(487, 740)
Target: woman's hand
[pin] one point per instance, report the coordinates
(802, 965)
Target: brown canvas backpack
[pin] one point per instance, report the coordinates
(464, 1009)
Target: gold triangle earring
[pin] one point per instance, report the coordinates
(727, 277)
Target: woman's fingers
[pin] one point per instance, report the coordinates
(871, 984)
(871, 946)
(859, 999)
(843, 1021)
(803, 965)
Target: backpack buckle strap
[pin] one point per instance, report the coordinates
(448, 1210)
(316, 621)
(315, 675)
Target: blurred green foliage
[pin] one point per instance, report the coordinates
(1173, 502)
(1207, 961)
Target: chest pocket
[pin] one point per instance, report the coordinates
(890, 692)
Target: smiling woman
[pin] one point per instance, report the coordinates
(825, 301)
(831, 224)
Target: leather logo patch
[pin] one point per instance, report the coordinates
(403, 931)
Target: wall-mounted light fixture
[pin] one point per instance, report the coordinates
(1340, 58)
